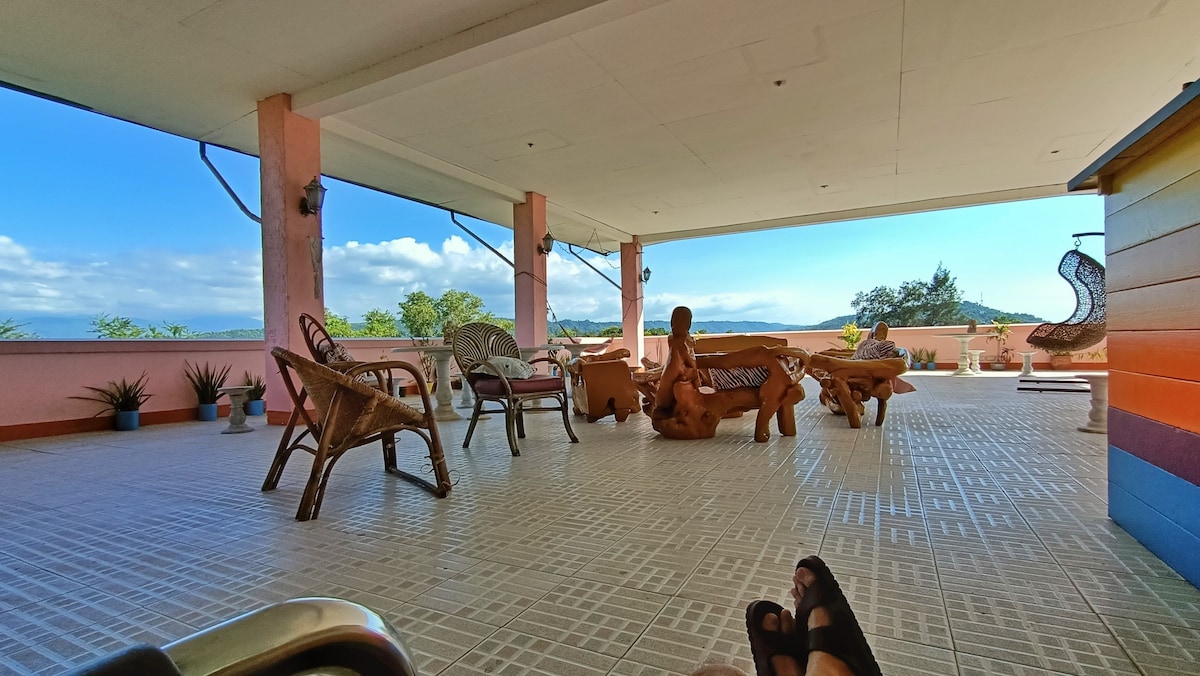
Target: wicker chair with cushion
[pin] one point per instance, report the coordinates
(350, 414)
(328, 352)
(489, 359)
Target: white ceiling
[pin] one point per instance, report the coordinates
(663, 119)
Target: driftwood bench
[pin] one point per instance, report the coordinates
(692, 392)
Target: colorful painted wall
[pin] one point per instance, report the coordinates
(1152, 224)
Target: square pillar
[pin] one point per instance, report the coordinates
(633, 321)
(529, 270)
(289, 150)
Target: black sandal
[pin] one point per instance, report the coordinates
(842, 637)
(766, 644)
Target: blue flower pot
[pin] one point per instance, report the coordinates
(207, 412)
(256, 407)
(128, 420)
(931, 366)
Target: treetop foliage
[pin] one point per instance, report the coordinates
(915, 303)
(11, 330)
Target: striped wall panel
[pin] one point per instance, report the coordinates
(1152, 240)
(1158, 508)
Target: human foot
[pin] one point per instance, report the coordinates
(835, 642)
(776, 640)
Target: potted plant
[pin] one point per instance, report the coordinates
(254, 396)
(931, 359)
(123, 398)
(917, 357)
(851, 335)
(1060, 360)
(206, 381)
(1001, 330)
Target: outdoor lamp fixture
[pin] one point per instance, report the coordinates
(314, 195)
(645, 275)
(546, 245)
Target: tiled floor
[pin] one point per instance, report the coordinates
(970, 533)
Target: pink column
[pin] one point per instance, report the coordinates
(289, 149)
(529, 227)
(633, 324)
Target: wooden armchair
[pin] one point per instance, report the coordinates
(602, 386)
(847, 382)
(350, 414)
(475, 345)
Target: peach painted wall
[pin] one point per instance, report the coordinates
(40, 375)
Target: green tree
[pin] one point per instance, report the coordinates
(506, 324)
(337, 325)
(610, 332)
(380, 324)
(424, 316)
(913, 303)
(657, 331)
(118, 328)
(419, 315)
(169, 330)
(11, 330)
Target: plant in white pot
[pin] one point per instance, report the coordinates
(1001, 330)
(124, 399)
(207, 382)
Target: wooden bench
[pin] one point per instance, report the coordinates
(686, 401)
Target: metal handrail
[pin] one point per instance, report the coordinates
(303, 633)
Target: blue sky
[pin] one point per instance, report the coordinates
(106, 216)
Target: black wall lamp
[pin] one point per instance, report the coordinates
(645, 275)
(314, 196)
(547, 244)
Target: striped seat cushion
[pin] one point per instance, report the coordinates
(740, 376)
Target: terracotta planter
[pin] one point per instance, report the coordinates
(1060, 362)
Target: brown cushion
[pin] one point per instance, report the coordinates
(540, 382)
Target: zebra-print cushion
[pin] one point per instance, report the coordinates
(740, 376)
(875, 349)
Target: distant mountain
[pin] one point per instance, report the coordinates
(985, 315)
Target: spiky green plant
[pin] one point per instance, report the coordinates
(206, 380)
(258, 387)
(120, 396)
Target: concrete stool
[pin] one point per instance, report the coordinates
(1027, 362)
(974, 359)
(1098, 415)
(237, 409)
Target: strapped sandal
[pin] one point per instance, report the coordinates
(766, 644)
(842, 637)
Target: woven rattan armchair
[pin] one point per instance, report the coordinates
(474, 344)
(350, 414)
(328, 352)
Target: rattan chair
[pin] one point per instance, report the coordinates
(328, 352)
(477, 342)
(350, 414)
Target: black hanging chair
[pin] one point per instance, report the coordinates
(1086, 326)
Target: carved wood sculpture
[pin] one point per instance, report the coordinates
(683, 404)
(848, 383)
(602, 386)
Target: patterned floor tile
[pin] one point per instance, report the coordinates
(1158, 648)
(489, 592)
(688, 632)
(510, 652)
(973, 519)
(594, 616)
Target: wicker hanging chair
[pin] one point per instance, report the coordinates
(1086, 326)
